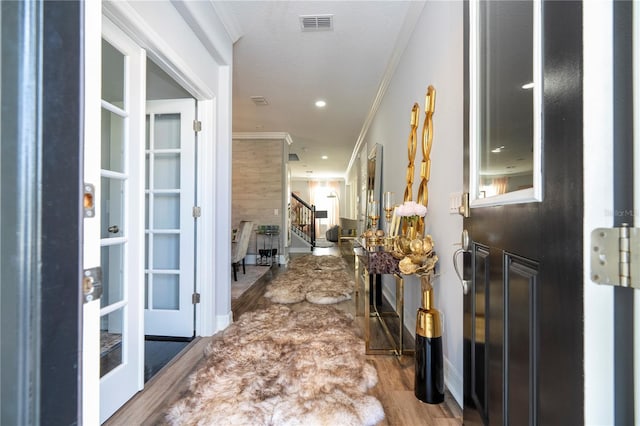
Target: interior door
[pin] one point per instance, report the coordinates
(119, 211)
(170, 222)
(523, 318)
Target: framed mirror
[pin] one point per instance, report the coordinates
(372, 188)
(505, 72)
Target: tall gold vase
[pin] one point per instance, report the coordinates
(429, 362)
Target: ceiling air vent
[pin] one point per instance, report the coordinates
(316, 22)
(294, 157)
(259, 100)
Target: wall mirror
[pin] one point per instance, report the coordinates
(505, 73)
(372, 188)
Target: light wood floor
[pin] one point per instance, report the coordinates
(394, 388)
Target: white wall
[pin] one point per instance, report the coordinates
(434, 55)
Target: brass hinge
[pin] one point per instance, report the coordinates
(195, 298)
(197, 125)
(196, 212)
(615, 258)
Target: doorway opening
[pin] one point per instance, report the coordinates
(170, 229)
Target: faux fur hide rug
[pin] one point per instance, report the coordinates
(280, 366)
(317, 279)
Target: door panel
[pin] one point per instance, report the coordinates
(526, 257)
(476, 331)
(520, 343)
(169, 198)
(121, 352)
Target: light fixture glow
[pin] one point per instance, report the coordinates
(324, 157)
(528, 86)
(321, 104)
(498, 149)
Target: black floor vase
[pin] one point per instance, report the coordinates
(429, 368)
(429, 380)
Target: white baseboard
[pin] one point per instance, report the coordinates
(223, 321)
(453, 381)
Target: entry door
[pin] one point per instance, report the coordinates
(523, 318)
(170, 222)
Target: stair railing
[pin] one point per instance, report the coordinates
(303, 221)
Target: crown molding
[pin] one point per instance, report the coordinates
(410, 22)
(228, 19)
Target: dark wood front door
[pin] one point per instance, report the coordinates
(523, 313)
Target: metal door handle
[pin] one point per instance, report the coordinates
(465, 247)
(113, 229)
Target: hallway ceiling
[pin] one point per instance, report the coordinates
(292, 69)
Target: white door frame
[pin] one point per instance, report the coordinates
(598, 187)
(91, 237)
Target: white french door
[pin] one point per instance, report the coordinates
(121, 218)
(170, 224)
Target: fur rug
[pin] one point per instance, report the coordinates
(280, 366)
(317, 279)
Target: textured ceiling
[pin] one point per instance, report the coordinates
(292, 69)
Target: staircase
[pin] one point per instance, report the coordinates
(303, 220)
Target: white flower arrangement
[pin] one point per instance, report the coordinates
(410, 209)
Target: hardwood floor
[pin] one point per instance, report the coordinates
(395, 374)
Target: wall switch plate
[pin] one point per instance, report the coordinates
(455, 202)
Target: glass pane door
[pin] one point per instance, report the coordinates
(121, 223)
(169, 229)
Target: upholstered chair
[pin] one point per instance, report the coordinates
(240, 246)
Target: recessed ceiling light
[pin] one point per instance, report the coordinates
(498, 149)
(321, 104)
(528, 85)
(324, 157)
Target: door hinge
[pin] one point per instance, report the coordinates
(615, 256)
(91, 284)
(196, 212)
(195, 298)
(197, 125)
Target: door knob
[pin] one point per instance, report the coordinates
(113, 229)
(465, 248)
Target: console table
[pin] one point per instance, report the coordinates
(370, 263)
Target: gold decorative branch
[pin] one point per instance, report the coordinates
(412, 145)
(427, 141)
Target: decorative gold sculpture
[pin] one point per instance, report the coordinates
(417, 257)
(427, 141)
(412, 145)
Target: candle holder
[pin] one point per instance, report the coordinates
(388, 210)
(374, 214)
